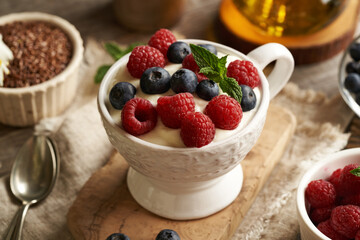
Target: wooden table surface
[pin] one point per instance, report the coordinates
(95, 19)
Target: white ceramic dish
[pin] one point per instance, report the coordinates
(188, 183)
(27, 106)
(346, 95)
(321, 170)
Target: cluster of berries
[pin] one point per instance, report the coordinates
(166, 234)
(352, 80)
(335, 204)
(197, 129)
(139, 116)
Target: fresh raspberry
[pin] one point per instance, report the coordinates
(346, 220)
(224, 111)
(172, 109)
(138, 116)
(201, 76)
(319, 215)
(353, 199)
(320, 193)
(326, 228)
(244, 72)
(197, 130)
(189, 63)
(357, 237)
(142, 58)
(349, 183)
(334, 179)
(161, 40)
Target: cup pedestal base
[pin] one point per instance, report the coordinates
(185, 201)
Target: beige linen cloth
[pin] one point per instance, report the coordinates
(84, 148)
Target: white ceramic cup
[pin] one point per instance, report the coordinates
(321, 170)
(190, 183)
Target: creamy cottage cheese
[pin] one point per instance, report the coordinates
(161, 134)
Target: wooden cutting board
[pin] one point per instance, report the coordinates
(104, 205)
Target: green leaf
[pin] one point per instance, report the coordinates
(356, 172)
(204, 58)
(211, 74)
(231, 87)
(102, 70)
(114, 50)
(222, 66)
(215, 69)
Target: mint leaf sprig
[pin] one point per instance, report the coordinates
(116, 53)
(215, 69)
(356, 172)
(100, 73)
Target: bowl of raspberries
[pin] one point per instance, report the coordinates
(328, 198)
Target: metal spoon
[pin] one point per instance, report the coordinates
(32, 177)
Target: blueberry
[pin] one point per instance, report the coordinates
(183, 80)
(121, 93)
(248, 100)
(117, 236)
(352, 82)
(207, 89)
(352, 67)
(209, 47)
(167, 234)
(155, 80)
(178, 51)
(355, 51)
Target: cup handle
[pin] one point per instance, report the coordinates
(283, 68)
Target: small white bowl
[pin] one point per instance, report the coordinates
(321, 170)
(28, 105)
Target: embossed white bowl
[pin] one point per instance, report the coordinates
(322, 170)
(26, 106)
(188, 183)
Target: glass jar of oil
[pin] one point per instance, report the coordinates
(287, 17)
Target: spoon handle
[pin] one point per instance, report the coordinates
(16, 226)
(12, 226)
(18, 230)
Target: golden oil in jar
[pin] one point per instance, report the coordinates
(286, 17)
